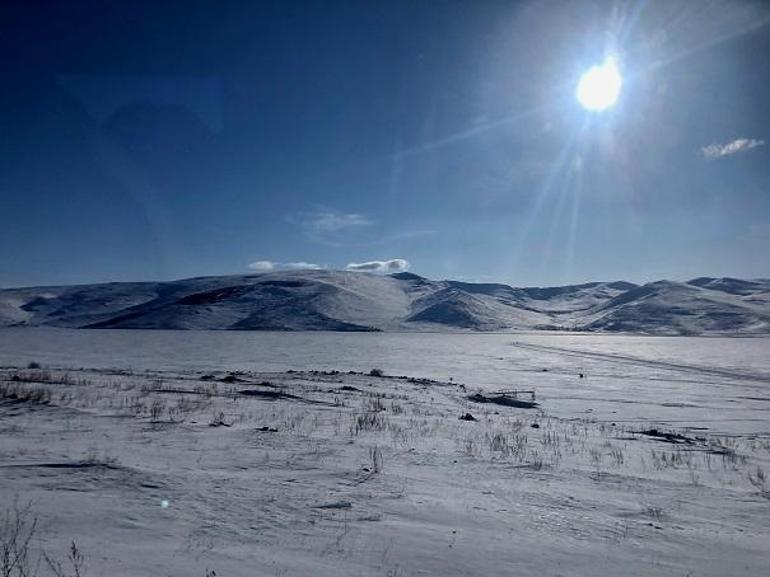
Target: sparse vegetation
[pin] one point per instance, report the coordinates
(364, 432)
(373, 403)
(372, 421)
(218, 419)
(25, 394)
(17, 529)
(20, 558)
(46, 377)
(375, 459)
(157, 408)
(758, 480)
(18, 555)
(76, 563)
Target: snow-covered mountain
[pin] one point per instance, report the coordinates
(354, 301)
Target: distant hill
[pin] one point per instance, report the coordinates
(355, 301)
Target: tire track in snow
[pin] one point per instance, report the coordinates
(666, 365)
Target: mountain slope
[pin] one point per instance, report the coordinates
(665, 307)
(354, 301)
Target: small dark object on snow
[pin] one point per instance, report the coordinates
(275, 395)
(267, 429)
(207, 377)
(335, 505)
(535, 426)
(508, 399)
(467, 417)
(668, 437)
(581, 375)
(231, 378)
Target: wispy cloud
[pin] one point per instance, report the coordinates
(715, 150)
(268, 265)
(335, 221)
(409, 234)
(331, 227)
(329, 221)
(383, 266)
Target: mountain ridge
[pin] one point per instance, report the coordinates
(358, 301)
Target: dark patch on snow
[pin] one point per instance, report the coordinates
(446, 314)
(668, 437)
(277, 395)
(214, 296)
(335, 505)
(286, 283)
(409, 276)
(64, 465)
(504, 400)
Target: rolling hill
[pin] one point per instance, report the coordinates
(355, 301)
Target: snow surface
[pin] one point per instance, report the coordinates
(150, 456)
(354, 301)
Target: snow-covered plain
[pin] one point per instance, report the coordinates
(170, 452)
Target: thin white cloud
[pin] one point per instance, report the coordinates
(331, 227)
(381, 266)
(268, 265)
(328, 221)
(262, 265)
(410, 234)
(715, 150)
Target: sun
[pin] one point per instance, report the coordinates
(599, 87)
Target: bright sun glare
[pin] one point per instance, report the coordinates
(600, 85)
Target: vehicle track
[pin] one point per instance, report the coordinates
(736, 375)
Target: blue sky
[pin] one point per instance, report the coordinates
(174, 139)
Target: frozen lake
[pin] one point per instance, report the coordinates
(491, 358)
(676, 381)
